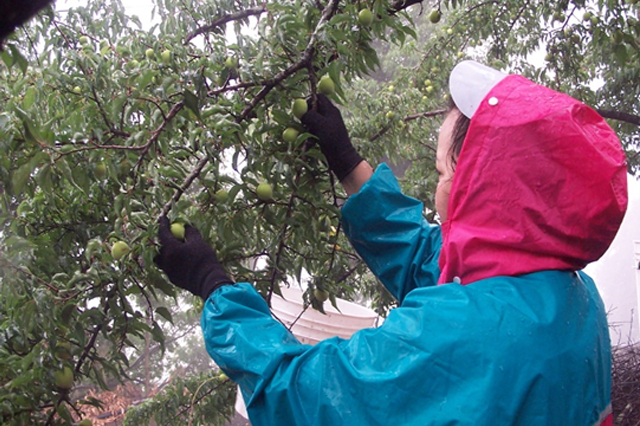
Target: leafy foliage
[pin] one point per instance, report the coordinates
(99, 138)
(197, 400)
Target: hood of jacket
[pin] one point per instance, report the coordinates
(540, 184)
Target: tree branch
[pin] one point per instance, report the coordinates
(225, 19)
(398, 5)
(425, 114)
(620, 116)
(388, 126)
(283, 232)
(156, 133)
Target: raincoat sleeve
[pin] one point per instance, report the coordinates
(445, 356)
(390, 233)
(232, 318)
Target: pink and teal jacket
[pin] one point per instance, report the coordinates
(495, 324)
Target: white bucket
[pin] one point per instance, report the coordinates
(315, 326)
(310, 326)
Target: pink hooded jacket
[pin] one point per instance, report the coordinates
(540, 184)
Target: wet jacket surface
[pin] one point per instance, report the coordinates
(506, 346)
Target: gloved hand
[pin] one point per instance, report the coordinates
(326, 123)
(190, 264)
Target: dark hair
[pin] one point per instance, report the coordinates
(459, 133)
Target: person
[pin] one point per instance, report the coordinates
(496, 323)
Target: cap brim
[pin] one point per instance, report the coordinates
(469, 84)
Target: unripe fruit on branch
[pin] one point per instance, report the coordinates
(177, 229)
(166, 57)
(365, 17)
(62, 350)
(290, 135)
(100, 170)
(264, 192)
(326, 86)
(222, 196)
(119, 250)
(435, 16)
(299, 108)
(231, 63)
(64, 378)
(321, 295)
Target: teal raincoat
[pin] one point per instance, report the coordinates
(472, 342)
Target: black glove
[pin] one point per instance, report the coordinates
(326, 123)
(190, 264)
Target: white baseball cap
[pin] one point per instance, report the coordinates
(470, 82)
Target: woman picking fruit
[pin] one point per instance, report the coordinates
(496, 323)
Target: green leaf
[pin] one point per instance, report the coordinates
(29, 98)
(158, 335)
(63, 412)
(45, 178)
(157, 281)
(165, 313)
(31, 130)
(21, 177)
(282, 117)
(68, 311)
(63, 167)
(146, 78)
(191, 101)
(19, 59)
(621, 54)
(6, 58)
